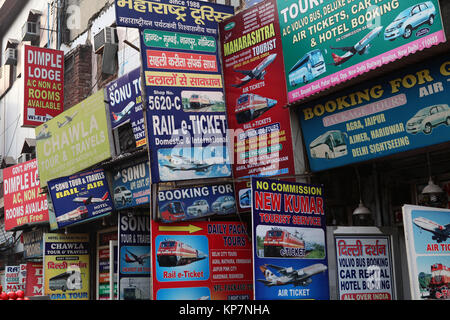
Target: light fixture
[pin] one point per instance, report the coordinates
(361, 210)
(431, 187)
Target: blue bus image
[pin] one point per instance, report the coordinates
(308, 67)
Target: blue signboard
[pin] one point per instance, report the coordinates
(186, 118)
(80, 197)
(404, 111)
(289, 241)
(134, 256)
(196, 202)
(125, 104)
(131, 185)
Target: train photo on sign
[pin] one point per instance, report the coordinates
(282, 243)
(172, 253)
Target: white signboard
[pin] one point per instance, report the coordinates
(364, 268)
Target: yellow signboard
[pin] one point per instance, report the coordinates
(66, 266)
(74, 140)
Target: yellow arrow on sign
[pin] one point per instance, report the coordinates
(190, 228)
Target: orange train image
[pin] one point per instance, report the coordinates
(172, 253)
(279, 242)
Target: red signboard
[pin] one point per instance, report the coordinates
(207, 260)
(24, 203)
(43, 85)
(34, 279)
(256, 96)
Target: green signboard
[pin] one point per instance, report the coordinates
(328, 42)
(74, 140)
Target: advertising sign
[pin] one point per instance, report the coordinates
(289, 244)
(183, 83)
(131, 185)
(196, 202)
(255, 92)
(66, 266)
(76, 139)
(134, 256)
(182, 16)
(34, 279)
(80, 197)
(12, 281)
(201, 261)
(364, 268)
(330, 42)
(404, 111)
(32, 244)
(427, 233)
(23, 201)
(43, 84)
(125, 104)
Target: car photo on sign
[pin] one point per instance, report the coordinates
(410, 19)
(428, 118)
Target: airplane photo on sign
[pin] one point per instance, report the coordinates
(180, 163)
(90, 199)
(289, 275)
(439, 232)
(118, 116)
(256, 73)
(140, 259)
(68, 120)
(361, 47)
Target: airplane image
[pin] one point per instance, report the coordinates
(68, 119)
(440, 233)
(257, 73)
(76, 214)
(44, 133)
(301, 277)
(361, 47)
(135, 258)
(180, 163)
(90, 199)
(117, 117)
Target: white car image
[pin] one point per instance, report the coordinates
(427, 118)
(409, 19)
(198, 208)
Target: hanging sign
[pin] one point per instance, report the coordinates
(43, 84)
(326, 43)
(289, 243)
(201, 261)
(23, 200)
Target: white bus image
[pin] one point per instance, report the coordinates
(308, 67)
(329, 145)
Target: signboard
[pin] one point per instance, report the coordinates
(289, 242)
(428, 251)
(107, 264)
(66, 266)
(134, 256)
(23, 201)
(182, 16)
(34, 279)
(364, 268)
(12, 282)
(43, 84)
(125, 104)
(328, 43)
(32, 244)
(80, 197)
(196, 202)
(255, 93)
(75, 140)
(201, 261)
(404, 111)
(186, 118)
(131, 185)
